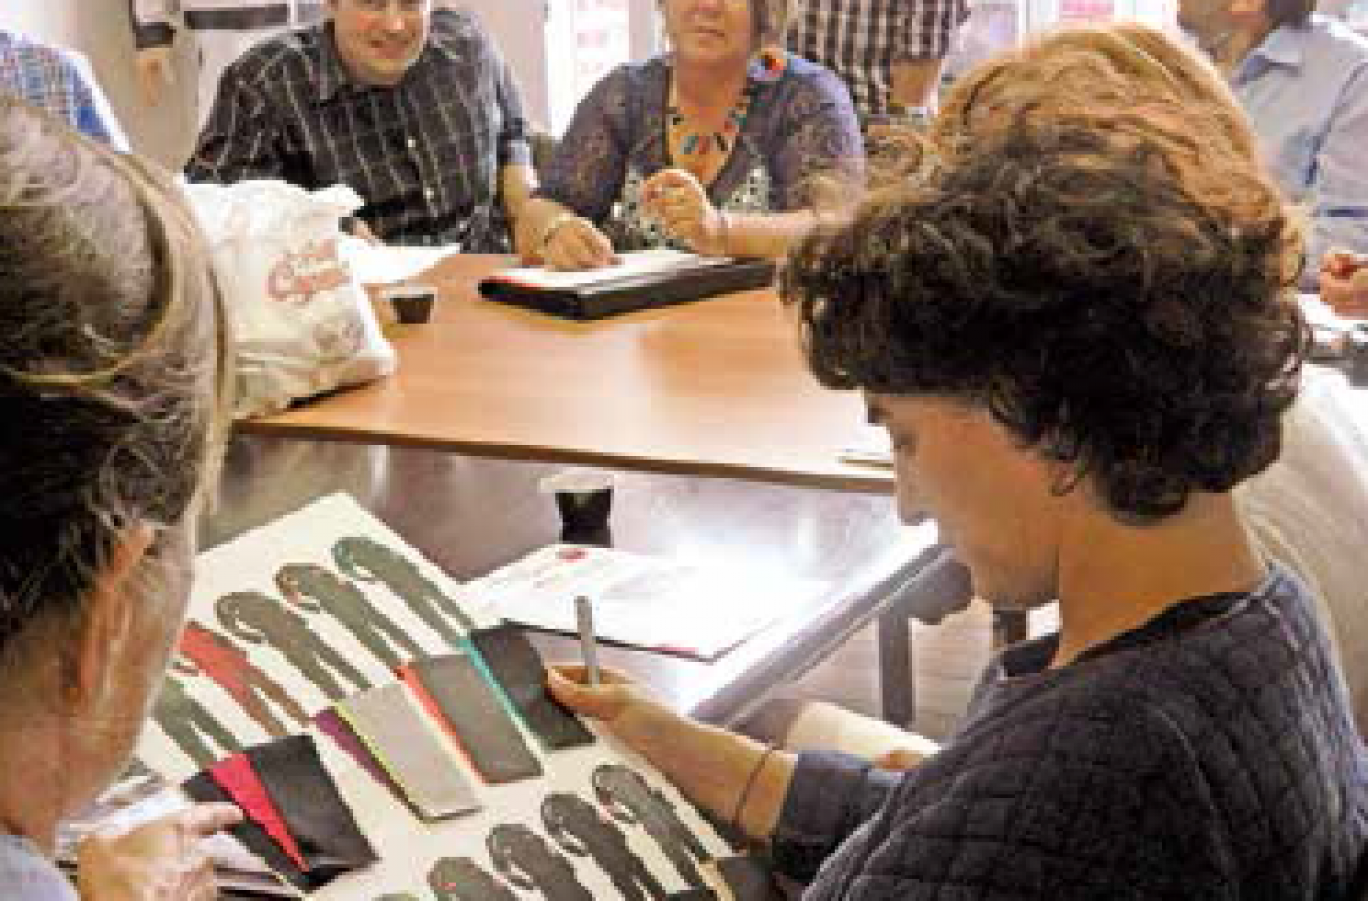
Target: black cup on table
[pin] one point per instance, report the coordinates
(412, 305)
(584, 516)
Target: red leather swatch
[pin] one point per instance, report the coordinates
(236, 776)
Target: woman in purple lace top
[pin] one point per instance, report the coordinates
(720, 146)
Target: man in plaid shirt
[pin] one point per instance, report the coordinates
(889, 52)
(413, 108)
(60, 82)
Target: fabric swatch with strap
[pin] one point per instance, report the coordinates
(455, 693)
(519, 669)
(411, 751)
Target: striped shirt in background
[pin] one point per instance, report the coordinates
(425, 155)
(860, 40)
(60, 82)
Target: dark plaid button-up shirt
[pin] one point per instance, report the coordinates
(860, 40)
(425, 154)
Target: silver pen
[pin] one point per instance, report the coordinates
(584, 621)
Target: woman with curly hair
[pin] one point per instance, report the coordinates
(1077, 328)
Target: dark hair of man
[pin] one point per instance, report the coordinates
(1108, 285)
(110, 347)
(1290, 12)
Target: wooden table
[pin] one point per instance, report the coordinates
(712, 399)
(717, 388)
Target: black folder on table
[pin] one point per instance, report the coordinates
(640, 291)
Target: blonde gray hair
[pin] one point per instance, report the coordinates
(112, 360)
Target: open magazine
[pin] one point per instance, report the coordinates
(677, 606)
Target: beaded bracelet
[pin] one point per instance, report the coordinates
(750, 783)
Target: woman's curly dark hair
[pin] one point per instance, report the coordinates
(1107, 281)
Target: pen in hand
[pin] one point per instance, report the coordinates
(584, 621)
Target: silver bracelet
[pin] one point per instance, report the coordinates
(724, 232)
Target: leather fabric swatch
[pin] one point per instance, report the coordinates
(331, 724)
(410, 750)
(236, 776)
(512, 660)
(314, 811)
(455, 693)
(202, 788)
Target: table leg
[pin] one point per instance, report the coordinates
(1009, 627)
(897, 676)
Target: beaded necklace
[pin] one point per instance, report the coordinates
(687, 142)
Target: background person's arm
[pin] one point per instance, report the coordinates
(928, 35)
(241, 139)
(1338, 198)
(582, 180)
(818, 167)
(154, 30)
(517, 178)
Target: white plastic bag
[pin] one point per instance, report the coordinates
(302, 323)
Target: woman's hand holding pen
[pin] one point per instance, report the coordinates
(617, 701)
(731, 776)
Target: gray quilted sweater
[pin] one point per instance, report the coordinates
(1207, 755)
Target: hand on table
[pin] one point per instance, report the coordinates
(677, 200)
(1344, 283)
(573, 243)
(157, 861)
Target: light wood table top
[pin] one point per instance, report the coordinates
(714, 388)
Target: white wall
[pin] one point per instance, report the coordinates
(99, 29)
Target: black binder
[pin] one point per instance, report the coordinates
(629, 293)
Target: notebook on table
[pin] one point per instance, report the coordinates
(641, 280)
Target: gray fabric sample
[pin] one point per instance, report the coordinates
(401, 739)
(474, 714)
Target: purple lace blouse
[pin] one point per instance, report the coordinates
(799, 125)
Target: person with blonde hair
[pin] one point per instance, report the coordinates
(725, 146)
(112, 357)
(1076, 327)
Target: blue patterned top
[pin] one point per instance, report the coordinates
(1306, 92)
(58, 81)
